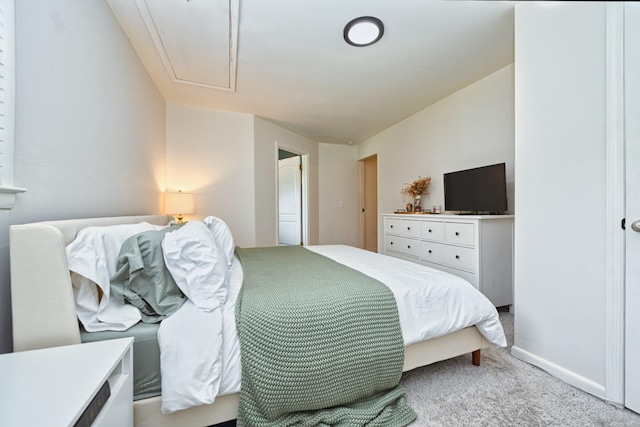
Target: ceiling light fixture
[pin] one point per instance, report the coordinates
(363, 31)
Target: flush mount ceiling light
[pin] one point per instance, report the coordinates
(363, 31)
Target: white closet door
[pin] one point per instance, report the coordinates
(632, 143)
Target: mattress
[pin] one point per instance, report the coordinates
(431, 304)
(146, 356)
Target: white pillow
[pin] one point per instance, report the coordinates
(197, 265)
(92, 259)
(222, 235)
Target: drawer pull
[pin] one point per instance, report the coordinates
(429, 230)
(408, 246)
(391, 243)
(457, 256)
(391, 226)
(429, 250)
(457, 234)
(408, 228)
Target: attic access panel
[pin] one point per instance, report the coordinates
(196, 39)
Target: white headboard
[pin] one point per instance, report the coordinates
(41, 295)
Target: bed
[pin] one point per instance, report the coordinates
(44, 314)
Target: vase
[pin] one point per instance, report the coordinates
(416, 204)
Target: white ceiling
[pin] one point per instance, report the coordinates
(295, 69)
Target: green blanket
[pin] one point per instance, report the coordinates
(321, 343)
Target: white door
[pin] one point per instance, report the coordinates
(289, 201)
(632, 188)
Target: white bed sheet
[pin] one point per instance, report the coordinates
(431, 303)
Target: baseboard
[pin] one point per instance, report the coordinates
(559, 372)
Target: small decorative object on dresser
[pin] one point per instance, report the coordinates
(415, 190)
(417, 207)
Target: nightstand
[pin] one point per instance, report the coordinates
(54, 386)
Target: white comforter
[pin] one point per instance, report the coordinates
(431, 303)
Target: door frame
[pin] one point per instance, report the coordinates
(361, 229)
(631, 107)
(304, 191)
(361, 190)
(615, 206)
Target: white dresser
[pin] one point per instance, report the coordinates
(53, 386)
(478, 248)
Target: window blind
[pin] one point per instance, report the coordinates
(7, 103)
(6, 94)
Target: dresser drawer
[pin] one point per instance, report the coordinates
(459, 257)
(432, 230)
(402, 227)
(402, 244)
(432, 252)
(459, 233)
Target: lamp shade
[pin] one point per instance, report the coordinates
(178, 203)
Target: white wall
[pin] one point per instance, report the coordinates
(560, 236)
(229, 161)
(268, 137)
(339, 195)
(473, 127)
(210, 153)
(89, 124)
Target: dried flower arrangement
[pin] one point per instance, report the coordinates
(417, 188)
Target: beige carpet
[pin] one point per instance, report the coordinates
(503, 391)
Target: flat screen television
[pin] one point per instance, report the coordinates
(477, 190)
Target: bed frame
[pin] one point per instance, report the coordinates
(44, 314)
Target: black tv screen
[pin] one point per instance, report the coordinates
(477, 190)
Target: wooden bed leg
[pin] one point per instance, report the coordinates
(475, 358)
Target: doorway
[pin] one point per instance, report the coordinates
(370, 203)
(291, 191)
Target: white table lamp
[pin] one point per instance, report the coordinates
(179, 204)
